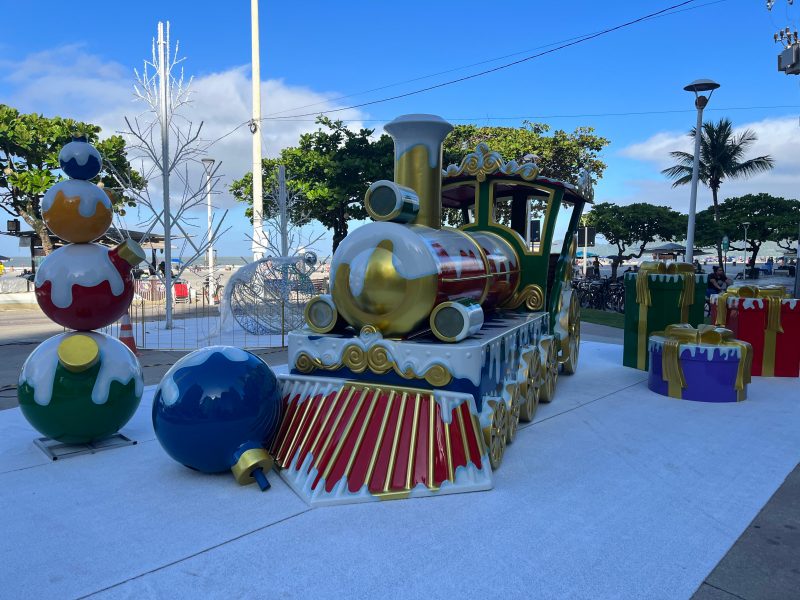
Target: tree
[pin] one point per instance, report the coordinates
(721, 157)
(29, 147)
(560, 156)
(634, 226)
(770, 219)
(331, 169)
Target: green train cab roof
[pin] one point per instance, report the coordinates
(487, 165)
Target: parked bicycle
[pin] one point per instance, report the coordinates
(600, 294)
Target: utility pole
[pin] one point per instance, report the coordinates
(789, 63)
(255, 128)
(164, 97)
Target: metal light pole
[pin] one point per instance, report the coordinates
(746, 224)
(208, 163)
(700, 85)
(163, 117)
(255, 128)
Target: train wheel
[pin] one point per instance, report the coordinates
(550, 372)
(571, 364)
(530, 395)
(514, 413)
(496, 434)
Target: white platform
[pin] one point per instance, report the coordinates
(614, 492)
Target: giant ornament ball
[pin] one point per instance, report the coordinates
(87, 286)
(77, 211)
(217, 409)
(80, 387)
(80, 160)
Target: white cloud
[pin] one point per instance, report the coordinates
(69, 81)
(777, 137)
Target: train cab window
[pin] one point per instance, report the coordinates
(458, 204)
(523, 209)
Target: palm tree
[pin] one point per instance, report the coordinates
(721, 157)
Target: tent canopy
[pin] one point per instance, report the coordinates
(579, 254)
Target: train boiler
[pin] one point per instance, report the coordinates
(412, 375)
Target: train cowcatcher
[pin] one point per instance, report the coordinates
(411, 376)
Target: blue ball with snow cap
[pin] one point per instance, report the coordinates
(80, 160)
(219, 408)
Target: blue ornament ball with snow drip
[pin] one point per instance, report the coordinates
(80, 160)
(214, 405)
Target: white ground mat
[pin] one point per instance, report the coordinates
(614, 492)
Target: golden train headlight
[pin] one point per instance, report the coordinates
(389, 201)
(321, 314)
(456, 320)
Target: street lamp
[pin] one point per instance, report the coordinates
(700, 101)
(208, 163)
(745, 224)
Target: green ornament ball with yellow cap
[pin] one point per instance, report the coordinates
(79, 387)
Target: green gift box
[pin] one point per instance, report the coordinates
(659, 294)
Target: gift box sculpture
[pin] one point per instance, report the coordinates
(766, 318)
(660, 294)
(79, 387)
(705, 364)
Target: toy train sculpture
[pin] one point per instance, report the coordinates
(412, 375)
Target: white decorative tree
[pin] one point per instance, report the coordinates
(168, 146)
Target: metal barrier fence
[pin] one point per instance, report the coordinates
(197, 323)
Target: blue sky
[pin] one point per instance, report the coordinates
(57, 61)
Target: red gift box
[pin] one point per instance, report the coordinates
(766, 320)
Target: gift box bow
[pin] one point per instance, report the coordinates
(643, 299)
(772, 294)
(660, 267)
(709, 335)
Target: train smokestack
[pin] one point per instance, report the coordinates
(418, 161)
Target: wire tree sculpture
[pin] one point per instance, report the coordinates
(168, 146)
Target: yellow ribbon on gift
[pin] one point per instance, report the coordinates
(643, 299)
(772, 295)
(683, 333)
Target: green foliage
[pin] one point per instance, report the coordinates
(561, 155)
(770, 219)
(633, 226)
(29, 147)
(330, 171)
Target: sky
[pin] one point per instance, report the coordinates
(56, 61)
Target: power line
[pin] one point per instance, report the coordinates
(499, 67)
(557, 116)
(483, 62)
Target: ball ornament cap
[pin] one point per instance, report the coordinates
(77, 353)
(131, 252)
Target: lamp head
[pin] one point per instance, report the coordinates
(208, 163)
(701, 85)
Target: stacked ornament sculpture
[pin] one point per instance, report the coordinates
(82, 386)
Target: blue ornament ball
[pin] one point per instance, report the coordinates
(80, 160)
(214, 405)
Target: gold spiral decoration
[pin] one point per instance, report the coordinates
(304, 363)
(378, 360)
(535, 298)
(355, 358)
(438, 376)
(369, 330)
